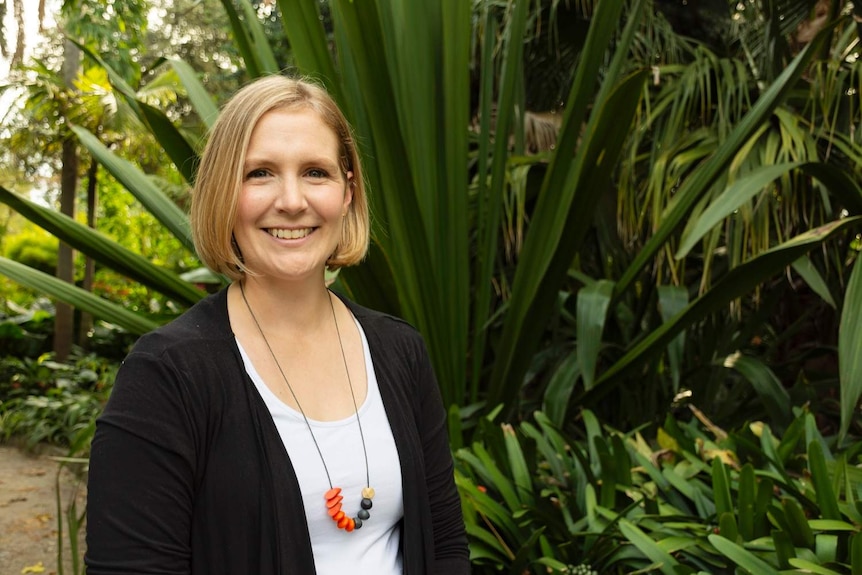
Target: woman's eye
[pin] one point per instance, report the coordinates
(317, 173)
(259, 173)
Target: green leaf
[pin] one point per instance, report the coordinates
(308, 44)
(75, 296)
(850, 350)
(826, 499)
(797, 524)
(664, 561)
(518, 465)
(775, 398)
(672, 300)
(251, 39)
(729, 201)
(746, 496)
(812, 277)
(555, 403)
(153, 199)
(593, 301)
(741, 556)
(856, 554)
(103, 250)
(809, 567)
(169, 137)
(721, 488)
(199, 98)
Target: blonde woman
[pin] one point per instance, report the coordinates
(276, 428)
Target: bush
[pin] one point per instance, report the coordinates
(35, 248)
(48, 401)
(694, 499)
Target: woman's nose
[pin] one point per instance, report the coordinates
(290, 196)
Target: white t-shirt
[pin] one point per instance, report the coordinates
(374, 548)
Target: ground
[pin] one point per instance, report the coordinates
(28, 511)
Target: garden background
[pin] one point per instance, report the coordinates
(629, 231)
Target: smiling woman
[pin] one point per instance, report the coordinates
(276, 427)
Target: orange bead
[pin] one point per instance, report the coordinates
(338, 517)
(350, 525)
(342, 523)
(332, 493)
(334, 501)
(334, 509)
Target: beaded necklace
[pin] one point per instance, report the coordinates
(333, 496)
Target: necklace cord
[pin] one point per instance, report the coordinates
(352, 393)
(293, 394)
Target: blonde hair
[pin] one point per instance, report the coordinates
(220, 173)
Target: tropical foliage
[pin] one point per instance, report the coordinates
(693, 499)
(663, 238)
(484, 247)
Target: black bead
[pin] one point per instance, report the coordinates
(366, 503)
(363, 514)
(357, 522)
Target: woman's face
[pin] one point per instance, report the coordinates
(294, 193)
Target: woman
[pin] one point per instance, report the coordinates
(275, 428)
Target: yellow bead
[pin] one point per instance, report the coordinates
(368, 493)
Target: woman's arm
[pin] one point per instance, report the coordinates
(142, 473)
(451, 555)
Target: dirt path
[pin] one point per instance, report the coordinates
(28, 512)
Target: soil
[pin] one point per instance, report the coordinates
(28, 511)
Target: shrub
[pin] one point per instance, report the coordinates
(694, 499)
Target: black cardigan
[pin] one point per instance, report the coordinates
(188, 474)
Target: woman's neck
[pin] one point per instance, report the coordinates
(287, 307)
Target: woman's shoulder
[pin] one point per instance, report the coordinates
(205, 324)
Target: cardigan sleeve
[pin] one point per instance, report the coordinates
(141, 478)
(451, 555)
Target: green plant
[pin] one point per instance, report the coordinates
(692, 499)
(54, 402)
(514, 266)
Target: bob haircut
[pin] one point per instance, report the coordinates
(220, 174)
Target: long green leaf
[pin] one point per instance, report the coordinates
(104, 250)
(672, 300)
(729, 201)
(255, 61)
(75, 296)
(198, 96)
(850, 350)
(304, 30)
(259, 43)
(826, 497)
(593, 302)
(153, 199)
(664, 560)
(805, 268)
(769, 389)
(741, 556)
(559, 390)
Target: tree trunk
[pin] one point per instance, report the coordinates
(64, 318)
(86, 322)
